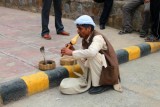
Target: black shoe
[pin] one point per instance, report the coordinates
(99, 89)
(143, 34)
(102, 27)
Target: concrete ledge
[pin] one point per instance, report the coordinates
(40, 81)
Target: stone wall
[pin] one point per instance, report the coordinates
(31, 5)
(74, 8)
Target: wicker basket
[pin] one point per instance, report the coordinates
(67, 60)
(48, 65)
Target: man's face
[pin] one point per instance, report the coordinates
(83, 32)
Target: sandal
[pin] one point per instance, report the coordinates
(124, 32)
(152, 38)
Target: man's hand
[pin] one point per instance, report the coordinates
(66, 51)
(146, 1)
(70, 46)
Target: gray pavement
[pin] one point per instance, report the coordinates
(20, 41)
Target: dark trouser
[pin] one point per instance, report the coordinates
(106, 11)
(45, 16)
(128, 12)
(155, 17)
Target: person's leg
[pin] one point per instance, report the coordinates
(84, 68)
(58, 15)
(95, 66)
(155, 17)
(45, 16)
(105, 13)
(146, 22)
(128, 11)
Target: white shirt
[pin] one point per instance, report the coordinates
(97, 44)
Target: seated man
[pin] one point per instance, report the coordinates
(128, 10)
(90, 60)
(155, 19)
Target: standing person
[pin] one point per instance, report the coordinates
(128, 10)
(45, 18)
(91, 60)
(105, 13)
(155, 19)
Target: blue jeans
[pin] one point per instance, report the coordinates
(45, 16)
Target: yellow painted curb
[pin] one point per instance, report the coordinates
(36, 82)
(155, 46)
(73, 68)
(134, 52)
